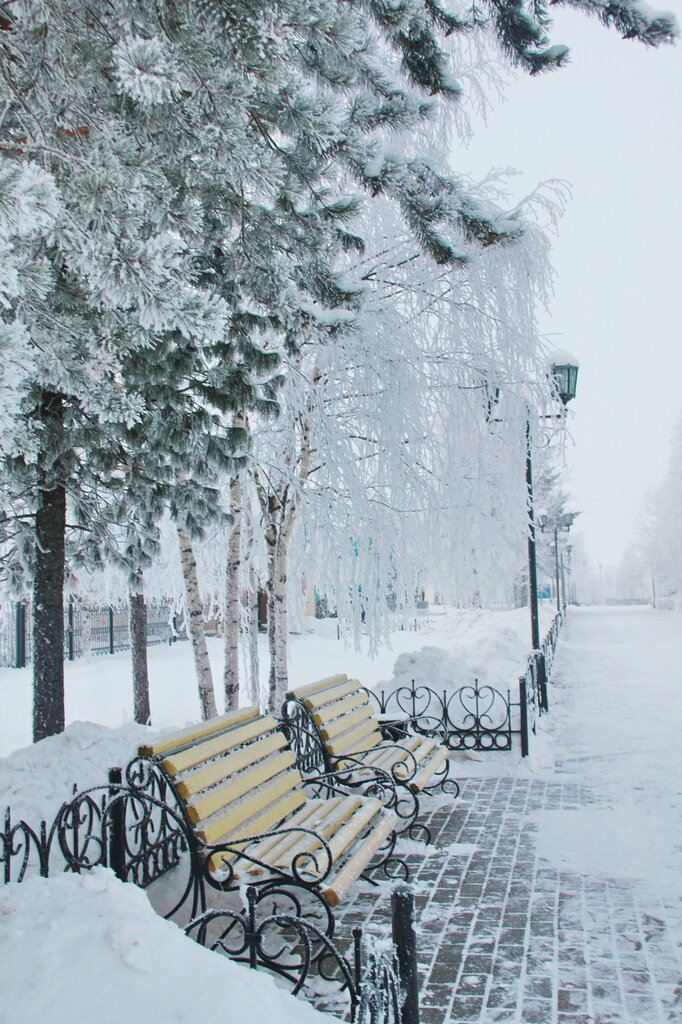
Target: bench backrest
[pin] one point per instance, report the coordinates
(235, 774)
(341, 710)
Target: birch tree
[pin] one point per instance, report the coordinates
(195, 624)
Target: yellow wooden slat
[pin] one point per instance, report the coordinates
(302, 818)
(420, 746)
(186, 759)
(321, 684)
(338, 885)
(251, 807)
(237, 785)
(339, 826)
(216, 771)
(381, 757)
(428, 755)
(409, 752)
(323, 697)
(346, 834)
(423, 777)
(326, 817)
(197, 732)
(347, 722)
(350, 737)
(269, 819)
(364, 737)
(325, 713)
(413, 750)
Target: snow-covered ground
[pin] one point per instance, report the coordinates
(85, 948)
(615, 723)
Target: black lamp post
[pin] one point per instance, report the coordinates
(563, 375)
(564, 521)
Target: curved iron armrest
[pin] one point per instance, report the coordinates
(303, 736)
(304, 869)
(375, 782)
(406, 759)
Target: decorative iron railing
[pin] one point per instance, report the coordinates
(472, 717)
(135, 831)
(372, 986)
(476, 717)
(132, 826)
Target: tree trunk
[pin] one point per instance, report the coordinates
(195, 626)
(252, 693)
(48, 587)
(279, 668)
(279, 515)
(277, 541)
(232, 602)
(138, 647)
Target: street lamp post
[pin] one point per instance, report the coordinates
(563, 376)
(532, 560)
(564, 521)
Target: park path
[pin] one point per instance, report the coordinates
(555, 893)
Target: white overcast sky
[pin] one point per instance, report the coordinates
(611, 124)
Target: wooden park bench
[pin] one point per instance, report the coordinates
(333, 721)
(250, 817)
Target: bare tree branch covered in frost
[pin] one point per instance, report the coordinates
(382, 470)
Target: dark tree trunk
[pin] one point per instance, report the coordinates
(138, 646)
(48, 587)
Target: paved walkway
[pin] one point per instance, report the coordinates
(506, 935)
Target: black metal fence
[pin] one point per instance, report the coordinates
(141, 835)
(87, 630)
(472, 717)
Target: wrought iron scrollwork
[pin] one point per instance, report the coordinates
(472, 717)
(130, 829)
(23, 847)
(245, 936)
(294, 948)
(304, 739)
(350, 771)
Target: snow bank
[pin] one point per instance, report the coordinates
(36, 780)
(102, 954)
(492, 647)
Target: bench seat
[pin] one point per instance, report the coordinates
(352, 738)
(236, 781)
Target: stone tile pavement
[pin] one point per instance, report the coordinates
(504, 937)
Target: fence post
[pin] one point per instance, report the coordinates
(541, 676)
(523, 707)
(20, 635)
(117, 825)
(111, 630)
(69, 629)
(404, 940)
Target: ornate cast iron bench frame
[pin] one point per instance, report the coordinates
(250, 821)
(332, 728)
(131, 826)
